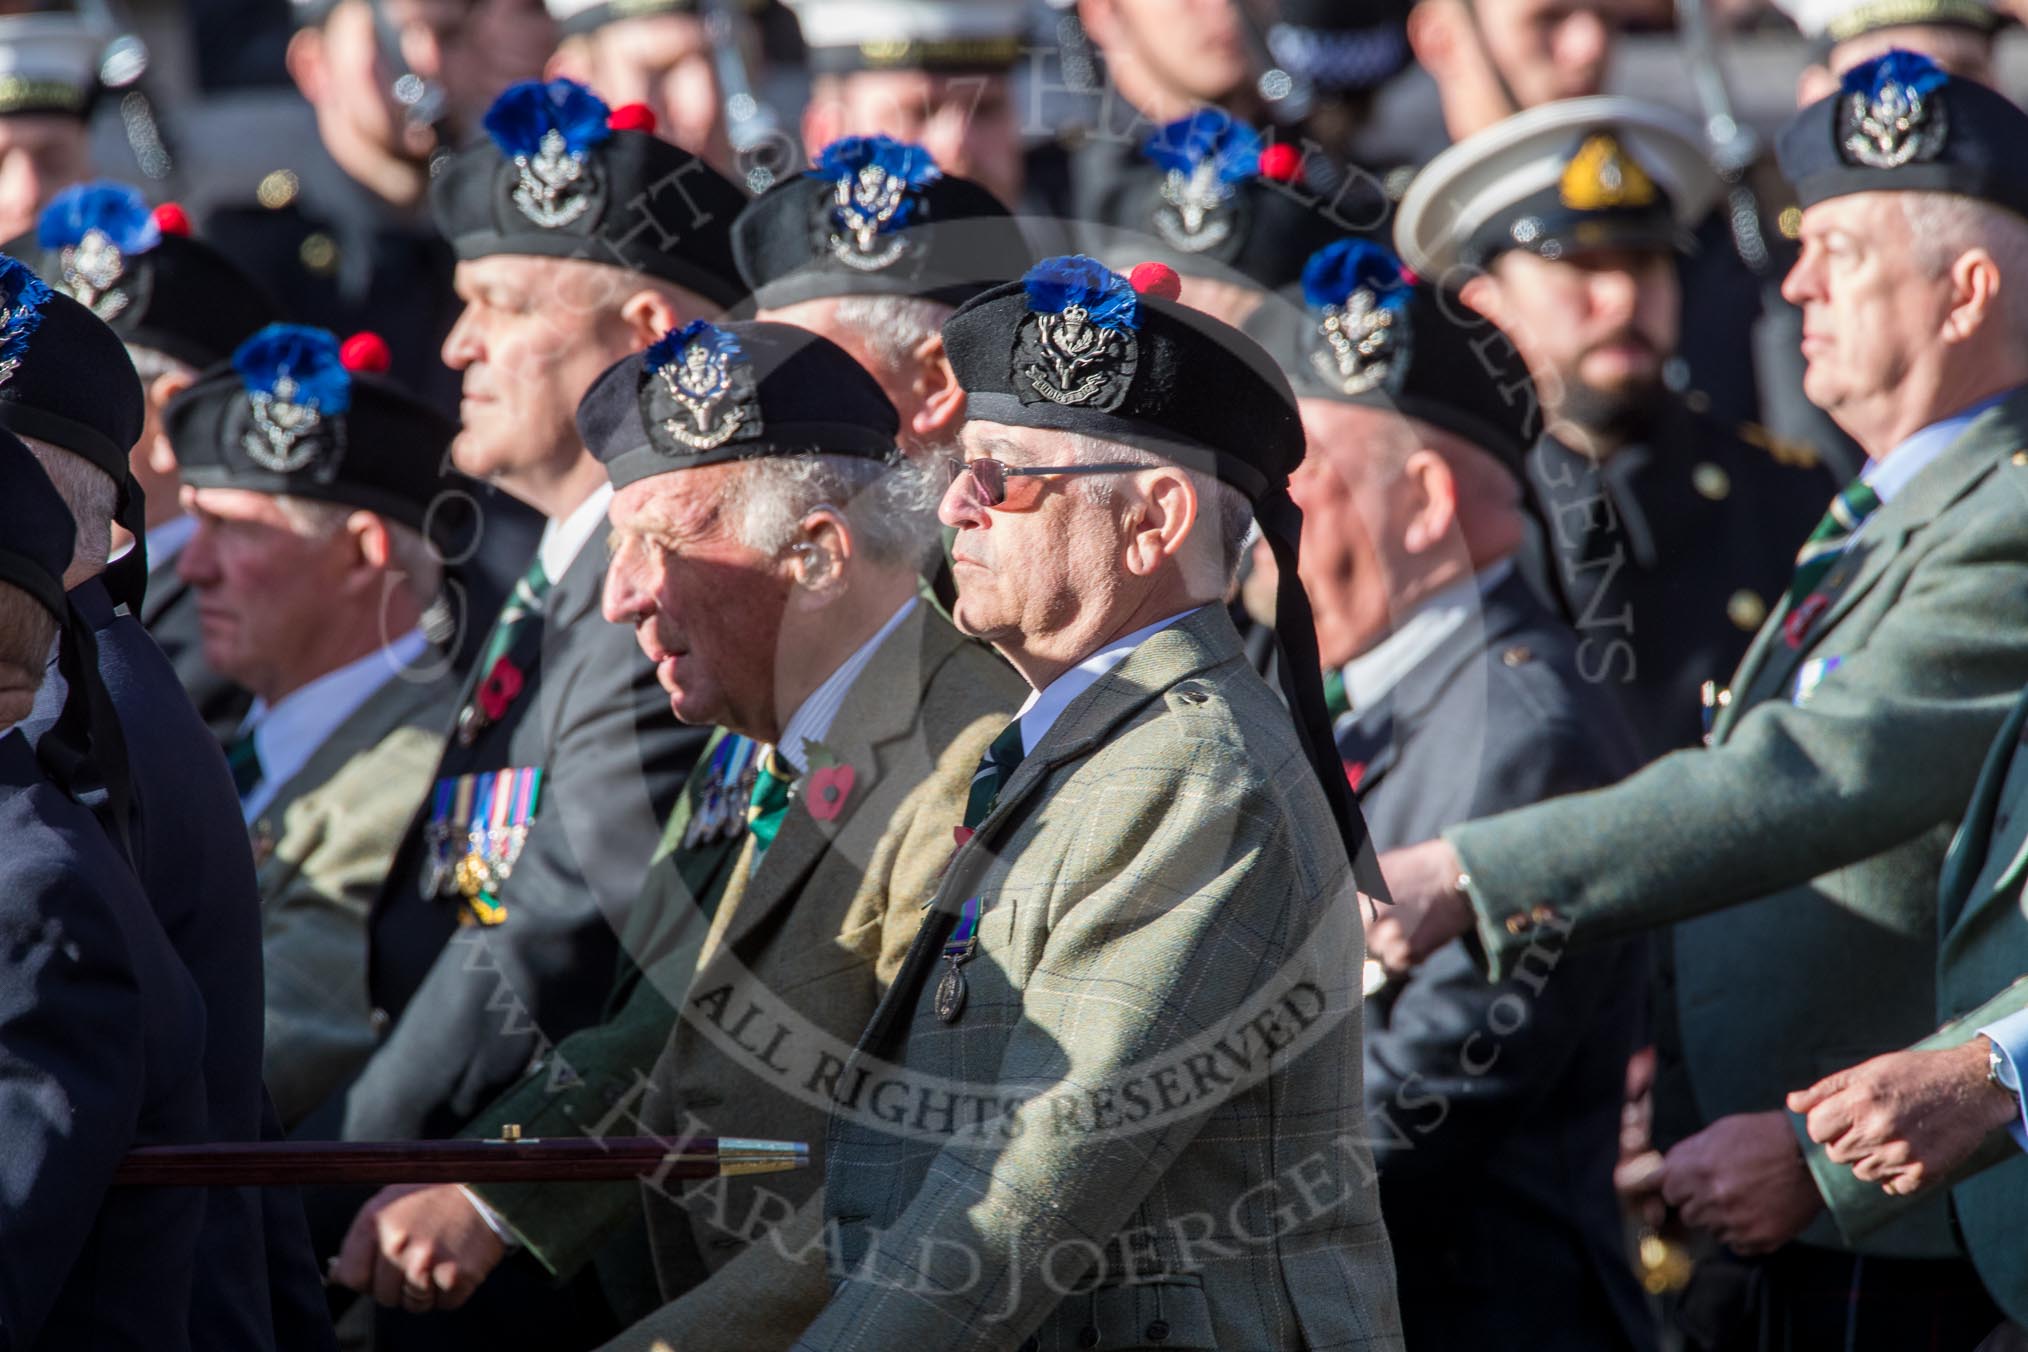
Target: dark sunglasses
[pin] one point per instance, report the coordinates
(989, 477)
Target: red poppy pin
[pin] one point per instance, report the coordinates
(1799, 620)
(961, 834)
(829, 783)
(1354, 772)
(499, 688)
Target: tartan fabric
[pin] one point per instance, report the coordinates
(1161, 869)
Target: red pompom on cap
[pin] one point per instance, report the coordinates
(1156, 279)
(1282, 162)
(632, 117)
(171, 219)
(365, 354)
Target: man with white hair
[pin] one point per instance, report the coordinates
(1797, 858)
(1667, 534)
(1153, 861)
(312, 574)
(773, 579)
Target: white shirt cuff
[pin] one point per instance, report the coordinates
(2010, 1039)
(494, 1220)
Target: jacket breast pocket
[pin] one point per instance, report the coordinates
(1169, 1315)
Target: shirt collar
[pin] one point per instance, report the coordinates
(1372, 675)
(563, 540)
(166, 541)
(1043, 707)
(286, 734)
(1893, 472)
(811, 722)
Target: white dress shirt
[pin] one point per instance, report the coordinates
(1043, 707)
(288, 733)
(562, 541)
(1894, 471)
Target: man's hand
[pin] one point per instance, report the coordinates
(1428, 911)
(418, 1247)
(1743, 1179)
(1637, 1177)
(1907, 1120)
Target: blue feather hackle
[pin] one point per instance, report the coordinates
(306, 355)
(1109, 300)
(522, 114)
(116, 209)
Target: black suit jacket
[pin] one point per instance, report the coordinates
(194, 864)
(101, 1049)
(468, 1006)
(1495, 1109)
(1666, 558)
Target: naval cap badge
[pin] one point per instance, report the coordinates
(297, 387)
(698, 390)
(1603, 175)
(1358, 296)
(96, 231)
(548, 131)
(22, 296)
(1076, 345)
(1891, 111)
(1202, 157)
(877, 185)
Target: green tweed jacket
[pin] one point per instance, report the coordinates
(1982, 920)
(1816, 824)
(322, 848)
(1144, 1127)
(807, 943)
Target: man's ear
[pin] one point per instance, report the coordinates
(648, 314)
(1432, 35)
(1432, 507)
(163, 388)
(943, 399)
(303, 58)
(1165, 517)
(1481, 291)
(572, 60)
(372, 549)
(1975, 295)
(818, 560)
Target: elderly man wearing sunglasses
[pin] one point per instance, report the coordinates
(1153, 859)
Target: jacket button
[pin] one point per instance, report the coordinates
(1088, 1336)
(1542, 915)
(1158, 1332)
(378, 1021)
(1517, 656)
(1518, 923)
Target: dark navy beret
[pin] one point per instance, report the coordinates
(876, 217)
(297, 412)
(37, 535)
(1074, 347)
(707, 393)
(563, 176)
(1364, 330)
(65, 378)
(1212, 198)
(1901, 123)
(140, 271)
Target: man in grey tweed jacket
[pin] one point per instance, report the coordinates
(1113, 1098)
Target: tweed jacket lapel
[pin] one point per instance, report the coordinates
(1958, 906)
(1202, 640)
(1769, 663)
(869, 721)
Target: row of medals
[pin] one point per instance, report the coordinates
(487, 863)
(722, 802)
